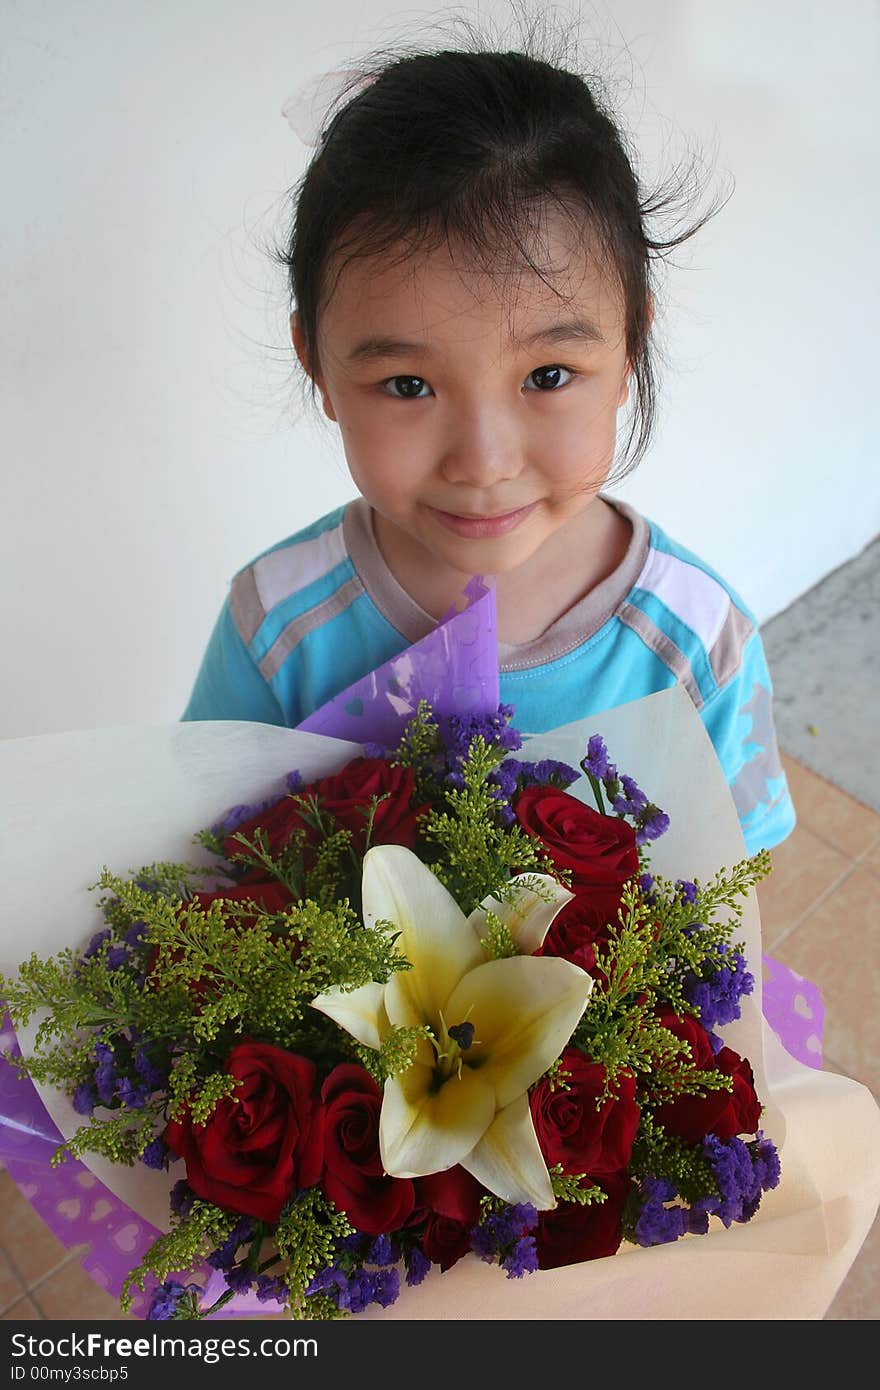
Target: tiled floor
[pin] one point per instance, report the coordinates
(819, 915)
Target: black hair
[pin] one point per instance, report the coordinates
(470, 145)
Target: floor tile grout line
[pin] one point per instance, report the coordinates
(29, 1287)
(808, 911)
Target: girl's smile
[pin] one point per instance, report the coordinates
(474, 526)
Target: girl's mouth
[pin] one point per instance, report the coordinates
(479, 526)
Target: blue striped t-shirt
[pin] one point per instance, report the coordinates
(319, 610)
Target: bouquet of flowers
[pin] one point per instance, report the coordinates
(428, 1006)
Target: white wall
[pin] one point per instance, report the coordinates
(150, 434)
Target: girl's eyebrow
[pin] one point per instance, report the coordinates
(578, 329)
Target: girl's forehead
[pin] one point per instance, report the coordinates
(435, 286)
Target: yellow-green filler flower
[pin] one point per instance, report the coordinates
(496, 1026)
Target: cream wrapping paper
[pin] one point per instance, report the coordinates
(125, 797)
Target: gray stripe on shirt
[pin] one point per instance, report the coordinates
(298, 628)
(247, 608)
(725, 658)
(662, 646)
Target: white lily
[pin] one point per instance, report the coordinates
(496, 1026)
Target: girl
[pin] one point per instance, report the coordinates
(472, 279)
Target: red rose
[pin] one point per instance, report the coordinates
(724, 1113)
(600, 850)
(570, 1129)
(258, 1148)
(452, 1199)
(353, 1176)
(575, 933)
(345, 796)
(571, 1233)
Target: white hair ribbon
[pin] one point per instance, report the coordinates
(307, 109)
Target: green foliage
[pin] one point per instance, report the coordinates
(661, 1155)
(569, 1187)
(192, 1237)
(306, 1238)
(474, 854)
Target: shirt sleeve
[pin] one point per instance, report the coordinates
(739, 721)
(229, 684)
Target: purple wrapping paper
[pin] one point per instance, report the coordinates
(456, 668)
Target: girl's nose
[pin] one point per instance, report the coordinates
(482, 449)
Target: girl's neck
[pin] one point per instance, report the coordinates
(532, 597)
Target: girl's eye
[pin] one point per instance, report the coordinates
(548, 377)
(409, 387)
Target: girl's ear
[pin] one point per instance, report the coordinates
(298, 340)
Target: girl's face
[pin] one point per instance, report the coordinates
(477, 425)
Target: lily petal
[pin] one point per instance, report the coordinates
(525, 1009)
(529, 916)
(425, 1130)
(360, 1011)
(509, 1161)
(434, 933)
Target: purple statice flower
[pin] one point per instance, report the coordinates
(698, 1222)
(116, 957)
(105, 1072)
(155, 1155)
(131, 1093)
(522, 1259)
(651, 824)
(150, 1074)
(380, 1252)
(358, 1291)
(96, 943)
(293, 781)
(182, 1198)
(457, 731)
(512, 777)
(596, 763)
(271, 1289)
(418, 1267)
(136, 934)
(686, 889)
(646, 883)
(224, 1256)
(386, 1287)
(738, 1184)
(237, 815)
(766, 1162)
(174, 1300)
(240, 1278)
(84, 1099)
(658, 1190)
(717, 992)
(631, 800)
(660, 1225)
(375, 750)
(500, 1231)
(329, 1280)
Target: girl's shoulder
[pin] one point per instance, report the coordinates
(686, 585)
(675, 572)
